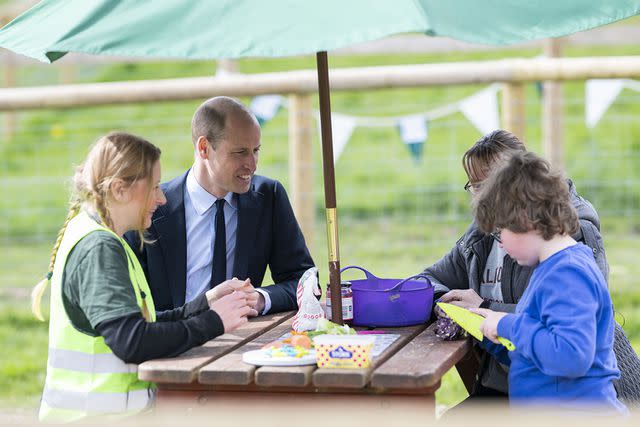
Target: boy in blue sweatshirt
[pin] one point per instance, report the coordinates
(563, 326)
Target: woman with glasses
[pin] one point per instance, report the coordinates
(477, 272)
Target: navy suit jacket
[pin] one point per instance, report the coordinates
(268, 235)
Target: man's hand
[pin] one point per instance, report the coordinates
(259, 301)
(227, 287)
(233, 310)
(255, 299)
(489, 327)
(465, 298)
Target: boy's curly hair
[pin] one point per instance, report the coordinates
(526, 194)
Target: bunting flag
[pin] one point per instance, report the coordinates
(539, 89)
(265, 107)
(413, 132)
(342, 127)
(481, 109)
(599, 96)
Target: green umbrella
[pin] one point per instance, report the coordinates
(240, 28)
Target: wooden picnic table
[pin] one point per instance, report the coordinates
(404, 377)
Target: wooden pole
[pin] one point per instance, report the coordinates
(301, 163)
(227, 66)
(552, 111)
(68, 73)
(9, 120)
(513, 109)
(329, 186)
(306, 81)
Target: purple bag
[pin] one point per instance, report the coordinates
(390, 302)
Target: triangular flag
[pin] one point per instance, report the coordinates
(413, 132)
(481, 110)
(539, 88)
(265, 107)
(599, 96)
(341, 129)
(416, 149)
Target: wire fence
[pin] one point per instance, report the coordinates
(381, 188)
(376, 175)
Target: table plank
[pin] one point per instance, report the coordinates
(183, 369)
(284, 376)
(230, 369)
(421, 363)
(359, 378)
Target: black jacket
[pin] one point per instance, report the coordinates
(268, 235)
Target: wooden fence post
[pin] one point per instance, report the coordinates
(227, 66)
(9, 119)
(301, 163)
(552, 111)
(68, 73)
(513, 109)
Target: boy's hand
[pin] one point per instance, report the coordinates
(465, 298)
(489, 327)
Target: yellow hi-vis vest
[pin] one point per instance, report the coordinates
(84, 377)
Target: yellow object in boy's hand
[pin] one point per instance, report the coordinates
(470, 322)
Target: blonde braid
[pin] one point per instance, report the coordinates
(38, 290)
(101, 208)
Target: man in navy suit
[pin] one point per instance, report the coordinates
(259, 230)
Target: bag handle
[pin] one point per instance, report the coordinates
(403, 281)
(366, 273)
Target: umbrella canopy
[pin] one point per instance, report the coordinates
(240, 28)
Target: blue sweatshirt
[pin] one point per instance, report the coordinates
(563, 332)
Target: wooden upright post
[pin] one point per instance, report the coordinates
(9, 119)
(301, 163)
(513, 109)
(68, 73)
(227, 66)
(552, 111)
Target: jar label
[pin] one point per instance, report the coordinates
(347, 308)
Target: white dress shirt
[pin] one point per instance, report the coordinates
(200, 211)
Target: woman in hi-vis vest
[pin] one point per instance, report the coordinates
(102, 320)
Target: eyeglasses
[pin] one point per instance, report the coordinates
(472, 188)
(497, 235)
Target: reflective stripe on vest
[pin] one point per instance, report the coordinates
(98, 403)
(84, 377)
(83, 362)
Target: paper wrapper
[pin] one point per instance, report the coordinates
(309, 308)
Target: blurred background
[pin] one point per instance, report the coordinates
(399, 179)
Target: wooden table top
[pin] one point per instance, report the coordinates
(413, 364)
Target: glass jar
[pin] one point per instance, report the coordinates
(347, 302)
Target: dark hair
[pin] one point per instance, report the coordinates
(210, 119)
(481, 158)
(526, 194)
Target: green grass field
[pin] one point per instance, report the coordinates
(395, 216)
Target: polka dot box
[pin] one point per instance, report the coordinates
(343, 351)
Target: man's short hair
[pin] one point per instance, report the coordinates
(526, 194)
(481, 158)
(211, 117)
